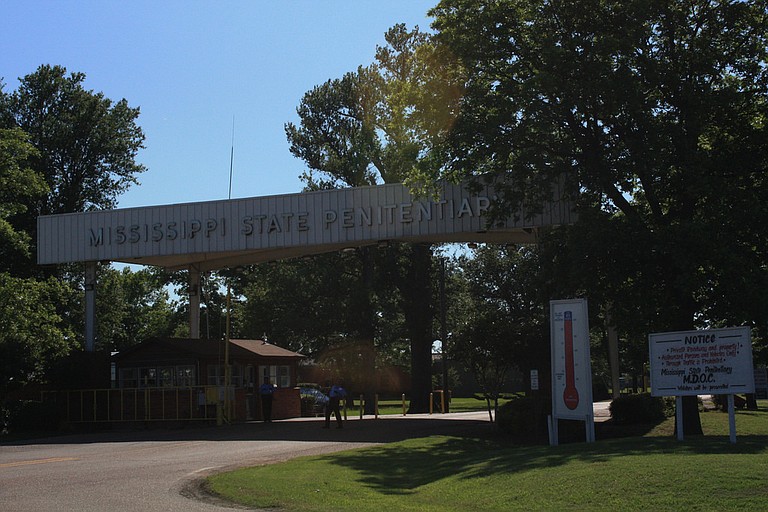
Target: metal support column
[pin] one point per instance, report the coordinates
(90, 306)
(194, 302)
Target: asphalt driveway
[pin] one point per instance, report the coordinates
(156, 470)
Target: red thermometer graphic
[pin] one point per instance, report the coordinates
(570, 395)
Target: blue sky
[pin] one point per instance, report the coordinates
(192, 67)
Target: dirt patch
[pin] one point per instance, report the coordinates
(199, 490)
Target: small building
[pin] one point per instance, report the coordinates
(174, 363)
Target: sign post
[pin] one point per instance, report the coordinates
(571, 366)
(714, 361)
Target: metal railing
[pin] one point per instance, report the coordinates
(137, 404)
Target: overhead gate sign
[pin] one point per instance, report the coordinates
(714, 361)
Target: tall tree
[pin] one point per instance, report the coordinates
(653, 111)
(359, 130)
(86, 143)
(505, 325)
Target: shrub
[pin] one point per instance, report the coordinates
(637, 408)
(29, 416)
(721, 402)
(523, 417)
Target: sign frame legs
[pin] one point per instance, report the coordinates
(554, 434)
(731, 418)
(679, 417)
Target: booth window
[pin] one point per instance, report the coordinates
(128, 378)
(147, 377)
(185, 376)
(166, 376)
(216, 375)
(278, 375)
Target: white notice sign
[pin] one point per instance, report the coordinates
(714, 361)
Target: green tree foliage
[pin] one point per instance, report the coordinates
(62, 149)
(86, 143)
(132, 307)
(314, 305)
(299, 304)
(654, 114)
(34, 329)
(362, 129)
(653, 110)
(19, 185)
(504, 324)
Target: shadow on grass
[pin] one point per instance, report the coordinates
(401, 469)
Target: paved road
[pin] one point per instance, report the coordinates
(154, 470)
(151, 470)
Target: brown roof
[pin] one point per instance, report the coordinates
(263, 348)
(208, 348)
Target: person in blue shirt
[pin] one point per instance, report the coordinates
(335, 395)
(266, 392)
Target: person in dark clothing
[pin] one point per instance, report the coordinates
(266, 392)
(335, 395)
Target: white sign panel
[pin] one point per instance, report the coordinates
(715, 361)
(216, 234)
(571, 366)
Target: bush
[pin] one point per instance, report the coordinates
(638, 408)
(721, 402)
(523, 417)
(28, 416)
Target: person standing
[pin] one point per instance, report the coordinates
(266, 392)
(335, 395)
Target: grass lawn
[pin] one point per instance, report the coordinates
(650, 472)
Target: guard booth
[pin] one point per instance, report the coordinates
(174, 363)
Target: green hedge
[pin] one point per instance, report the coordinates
(523, 417)
(638, 408)
(28, 416)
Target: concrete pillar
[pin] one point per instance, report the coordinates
(194, 302)
(90, 306)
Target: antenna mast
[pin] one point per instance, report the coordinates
(227, 413)
(231, 158)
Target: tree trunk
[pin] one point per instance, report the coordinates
(682, 309)
(416, 290)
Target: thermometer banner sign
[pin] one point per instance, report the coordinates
(714, 361)
(571, 366)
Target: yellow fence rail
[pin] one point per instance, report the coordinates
(136, 404)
